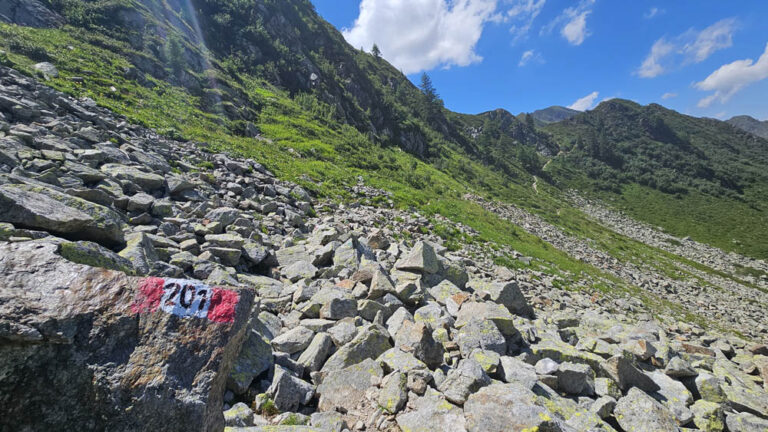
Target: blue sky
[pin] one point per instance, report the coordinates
(699, 57)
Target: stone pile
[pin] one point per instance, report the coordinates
(366, 320)
(727, 300)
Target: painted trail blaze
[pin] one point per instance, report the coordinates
(186, 298)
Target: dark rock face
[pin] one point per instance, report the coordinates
(92, 349)
(30, 13)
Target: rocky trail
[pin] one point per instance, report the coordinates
(150, 284)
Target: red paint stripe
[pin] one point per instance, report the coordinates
(222, 308)
(150, 294)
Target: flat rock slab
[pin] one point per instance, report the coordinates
(39, 207)
(93, 349)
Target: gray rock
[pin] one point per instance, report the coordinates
(422, 258)
(371, 341)
(416, 338)
(679, 368)
(546, 366)
(29, 13)
(328, 421)
(47, 70)
(299, 270)
(393, 394)
(623, 370)
(575, 379)
(140, 202)
(255, 358)
(708, 416)
(140, 251)
(639, 412)
(240, 415)
(293, 340)
(709, 388)
(381, 284)
(343, 331)
(146, 180)
(507, 407)
(432, 413)
(338, 308)
(224, 215)
(395, 359)
(607, 387)
(317, 352)
(743, 399)
(231, 241)
(513, 370)
(157, 368)
(745, 422)
(464, 380)
(289, 392)
(344, 388)
(481, 334)
(507, 294)
(603, 407)
(38, 207)
(674, 395)
(444, 290)
(486, 311)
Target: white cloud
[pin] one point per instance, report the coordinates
(653, 12)
(731, 78)
(574, 22)
(522, 13)
(651, 66)
(666, 96)
(690, 47)
(713, 38)
(530, 56)
(576, 29)
(585, 103)
(527, 56)
(417, 35)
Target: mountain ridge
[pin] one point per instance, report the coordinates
(750, 124)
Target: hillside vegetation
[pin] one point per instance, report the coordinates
(276, 82)
(695, 177)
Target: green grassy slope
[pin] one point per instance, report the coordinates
(694, 177)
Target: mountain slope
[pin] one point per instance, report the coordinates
(273, 81)
(751, 125)
(693, 176)
(551, 114)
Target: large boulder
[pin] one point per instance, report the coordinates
(507, 294)
(371, 341)
(29, 13)
(86, 348)
(344, 389)
(494, 312)
(508, 407)
(639, 412)
(255, 358)
(422, 258)
(432, 413)
(39, 207)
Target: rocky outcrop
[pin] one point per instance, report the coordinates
(83, 348)
(31, 13)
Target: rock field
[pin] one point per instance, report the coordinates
(330, 317)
